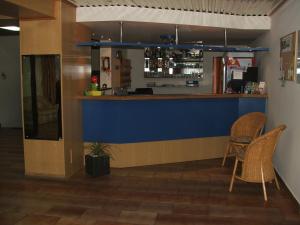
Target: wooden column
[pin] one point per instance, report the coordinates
(217, 75)
(59, 35)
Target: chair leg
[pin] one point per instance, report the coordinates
(227, 151)
(233, 174)
(276, 181)
(263, 185)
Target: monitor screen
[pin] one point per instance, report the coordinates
(251, 74)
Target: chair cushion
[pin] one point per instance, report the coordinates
(241, 140)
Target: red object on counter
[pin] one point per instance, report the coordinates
(94, 79)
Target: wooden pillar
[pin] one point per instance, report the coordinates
(59, 35)
(217, 75)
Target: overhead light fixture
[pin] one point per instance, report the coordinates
(11, 28)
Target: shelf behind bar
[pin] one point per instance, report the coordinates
(213, 48)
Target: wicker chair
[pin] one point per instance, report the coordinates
(257, 166)
(243, 131)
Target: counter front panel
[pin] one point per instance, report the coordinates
(133, 121)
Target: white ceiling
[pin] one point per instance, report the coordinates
(231, 7)
(150, 32)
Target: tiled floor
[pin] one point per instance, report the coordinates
(184, 193)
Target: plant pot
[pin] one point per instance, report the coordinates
(97, 165)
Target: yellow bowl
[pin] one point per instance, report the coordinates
(95, 93)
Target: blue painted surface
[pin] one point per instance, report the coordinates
(154, 120)
(213, 48)
(247, 105)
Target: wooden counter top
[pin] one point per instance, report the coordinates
(169, 97)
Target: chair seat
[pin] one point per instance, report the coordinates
(241, 140)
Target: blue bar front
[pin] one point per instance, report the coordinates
(130, 121)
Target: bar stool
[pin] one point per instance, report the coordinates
(244, 130)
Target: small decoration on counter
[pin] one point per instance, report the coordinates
(97, 162)
(94, 84)
(262, 87)
(252, 88)
(93, 89)
(94, 80)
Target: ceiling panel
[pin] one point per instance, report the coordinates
(231, 7)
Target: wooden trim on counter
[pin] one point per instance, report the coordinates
(161, 152)
(169, 97)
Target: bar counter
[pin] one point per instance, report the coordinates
(151, 129)
(164, 97)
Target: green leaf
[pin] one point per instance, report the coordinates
(100, 149)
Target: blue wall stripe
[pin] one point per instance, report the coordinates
(247, 105)
(156, 120)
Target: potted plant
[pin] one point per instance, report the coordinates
(97, 161)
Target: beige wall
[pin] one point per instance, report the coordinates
(283, 103)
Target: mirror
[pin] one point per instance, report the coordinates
(41, 96)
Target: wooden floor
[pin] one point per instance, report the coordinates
(185, 193)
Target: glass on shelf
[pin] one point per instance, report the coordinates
(173, 63)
